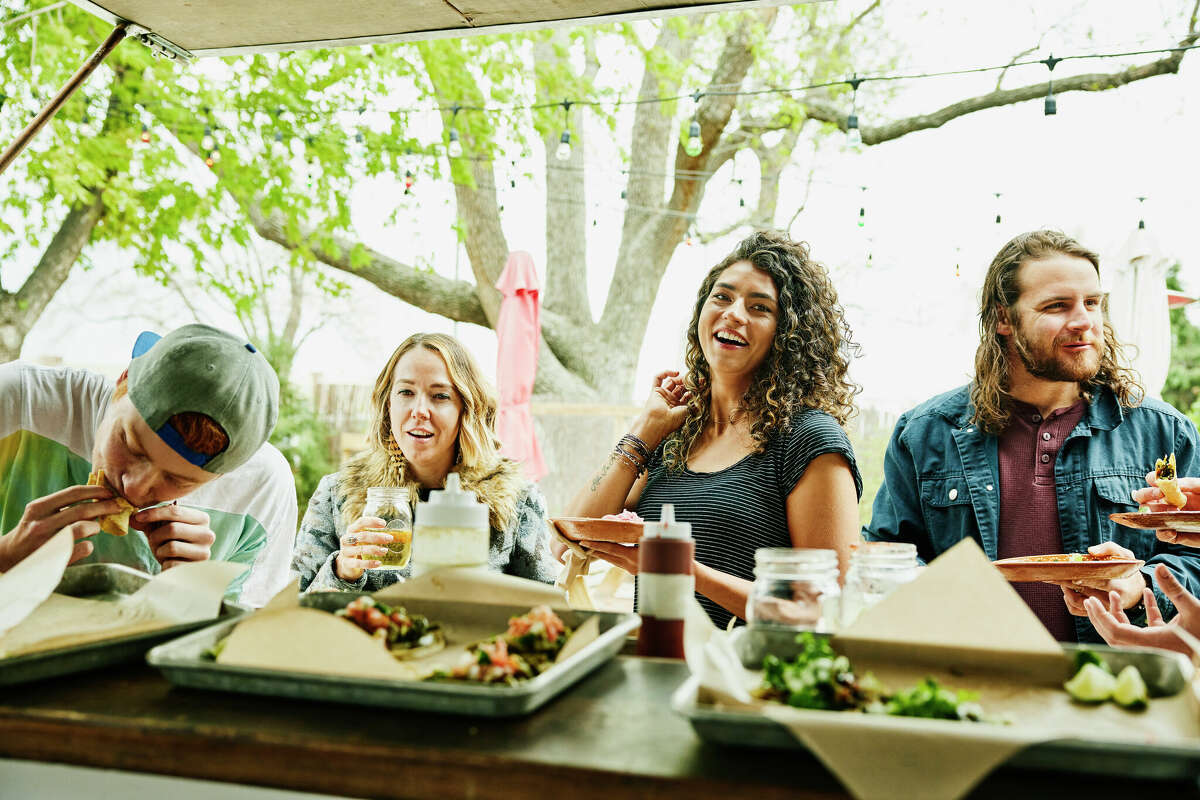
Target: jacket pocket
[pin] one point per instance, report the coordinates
(1111, 495)
(949, 515)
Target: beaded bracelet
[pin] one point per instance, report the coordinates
(637, 444)
(639, 466)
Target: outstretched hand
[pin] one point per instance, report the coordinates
(1112, 623)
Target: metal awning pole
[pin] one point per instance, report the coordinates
(64, 94)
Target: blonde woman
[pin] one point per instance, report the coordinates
(433, 414)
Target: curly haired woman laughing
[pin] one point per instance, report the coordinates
(748, 445)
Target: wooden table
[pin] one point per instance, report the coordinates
(614, 734)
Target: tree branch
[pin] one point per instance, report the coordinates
(455, 300)
(1091, 82)
(637, 277)
(566, 223)
(20, 310)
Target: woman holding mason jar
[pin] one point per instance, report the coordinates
(433, 414)
(748, 445)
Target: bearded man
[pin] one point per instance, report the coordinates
(1051, 436)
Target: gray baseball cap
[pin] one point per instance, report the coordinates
(205, 370)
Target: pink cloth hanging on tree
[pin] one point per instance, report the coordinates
(519, 332)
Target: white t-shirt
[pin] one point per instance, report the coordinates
(48, 421)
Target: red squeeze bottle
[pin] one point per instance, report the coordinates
(665, 584)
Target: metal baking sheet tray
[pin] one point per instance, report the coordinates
(1161, 672)
(184, 664)
(98, 582)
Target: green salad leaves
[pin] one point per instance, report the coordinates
(818, 678)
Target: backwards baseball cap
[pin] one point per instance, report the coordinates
(200, 369)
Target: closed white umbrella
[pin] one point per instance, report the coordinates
(1137, 307)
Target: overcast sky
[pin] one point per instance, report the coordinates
(930, 207)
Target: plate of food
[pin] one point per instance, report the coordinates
(623, 528)
(1188, 521)
(1066, 567)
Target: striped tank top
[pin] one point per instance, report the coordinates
(736, 510)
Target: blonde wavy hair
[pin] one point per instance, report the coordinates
(990, 398)
(807, 364)
(481, 468)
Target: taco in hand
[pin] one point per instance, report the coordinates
(114, 524)
(1167, 482)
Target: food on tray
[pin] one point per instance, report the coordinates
(818, 678)
(116, 524)
(1166, 480)
(1095, 683)
(406, 636)
(527, 649)
(625, 516)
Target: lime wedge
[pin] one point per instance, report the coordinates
(1091, 684)
(1130, 690)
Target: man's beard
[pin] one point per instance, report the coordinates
(1048, 364)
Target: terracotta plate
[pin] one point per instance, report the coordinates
(1057, 568)
(599, 530)
(1157, 520)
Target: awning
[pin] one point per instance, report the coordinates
(187, 28)
(231, 27)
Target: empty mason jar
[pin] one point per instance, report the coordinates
(391, 505)
(794, 588)
(876, 569)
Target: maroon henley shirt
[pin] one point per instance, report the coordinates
(1028, 450)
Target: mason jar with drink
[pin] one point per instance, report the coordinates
(391, 505)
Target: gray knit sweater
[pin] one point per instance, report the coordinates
(523, 549)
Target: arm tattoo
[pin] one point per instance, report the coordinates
(603, 471)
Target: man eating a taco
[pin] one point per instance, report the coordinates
(1052, 435)
(176, 450)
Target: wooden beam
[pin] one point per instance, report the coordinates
(46, 114)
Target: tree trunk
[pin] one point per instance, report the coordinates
(20, 310)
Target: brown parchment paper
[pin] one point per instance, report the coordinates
(185, 593)
(286, 636)
(963, 625)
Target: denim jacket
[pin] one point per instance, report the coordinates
(941, 483)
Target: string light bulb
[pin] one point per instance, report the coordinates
(862, 209)
(145, 137)
(694, 146)
(563, 153)
(853, 133)
(1050, 108)
(409, 180)
(455, 149)
(207, 142)
(1141, 214)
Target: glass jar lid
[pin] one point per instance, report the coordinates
(794, 561)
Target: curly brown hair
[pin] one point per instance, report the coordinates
(809, 358)
(990, 398)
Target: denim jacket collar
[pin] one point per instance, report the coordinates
(1104, 412)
